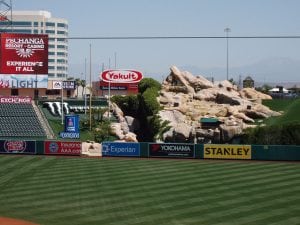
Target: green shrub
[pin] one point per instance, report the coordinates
(286, 134)
(144, 106)
(148, 83)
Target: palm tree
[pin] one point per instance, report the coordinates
(83, 84)
(78, 83)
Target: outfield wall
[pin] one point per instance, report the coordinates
(156, 150)
(210, 151)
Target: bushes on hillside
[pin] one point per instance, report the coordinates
(287, 134)
(144, 107)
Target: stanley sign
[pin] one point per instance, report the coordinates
(212, 151)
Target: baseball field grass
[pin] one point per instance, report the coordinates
(69, 190)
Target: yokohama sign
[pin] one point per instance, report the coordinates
(172, 150)
(121, 76)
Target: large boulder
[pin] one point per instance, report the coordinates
(187, 99)
(182, 132)
(174, 116)
(250, 93)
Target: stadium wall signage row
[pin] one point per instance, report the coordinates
(120, 149)
(172, 150)
(214, 151)
(62, 148)
(15, 100)
(17, 147)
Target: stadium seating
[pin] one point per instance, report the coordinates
(19, 120)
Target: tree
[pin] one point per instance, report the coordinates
(78, 84)
(148, 83)
(83, 84)
(232, 81)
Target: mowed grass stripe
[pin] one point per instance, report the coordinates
(106, 198)
(69, 179)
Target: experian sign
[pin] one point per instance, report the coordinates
(120, 149)
(121, 76)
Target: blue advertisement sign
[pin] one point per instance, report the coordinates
(70, 135)
(18, 147)
(72, 123)
(120, 149)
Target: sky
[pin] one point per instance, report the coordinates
(265, 60)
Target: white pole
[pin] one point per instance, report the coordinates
(85, 103)
(109, 100)
(227, 30)
(91, 87)
(62, 103)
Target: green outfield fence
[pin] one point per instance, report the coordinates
(158, 150)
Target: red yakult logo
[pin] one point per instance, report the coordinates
(121, 76)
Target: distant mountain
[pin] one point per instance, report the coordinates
(276, 70)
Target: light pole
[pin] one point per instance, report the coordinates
(91, 90)
(227, 30)
(36, 68)
(85, 103)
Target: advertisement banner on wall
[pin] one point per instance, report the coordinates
(23, 81)
(72, 123)
(121, 76)
(57, 85)
(69, 85)
(23, 60)
(172, 150)
(24, 53)
(17, 147)
(120, 149)
(62, 148)
(214, 151)
(15, 100)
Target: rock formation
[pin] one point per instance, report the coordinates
(125, 126)
(187, 99)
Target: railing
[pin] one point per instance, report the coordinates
(43, 120)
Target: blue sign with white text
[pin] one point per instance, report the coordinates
(72, 123)
(120, 149)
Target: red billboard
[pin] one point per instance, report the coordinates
(24, 54)
(62, 147)
(133, 88)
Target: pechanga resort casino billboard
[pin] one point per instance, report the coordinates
(23, 58)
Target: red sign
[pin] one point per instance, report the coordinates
(15, 100)
(121, 76)
(62, 148)
(129, 87)
(24, 54)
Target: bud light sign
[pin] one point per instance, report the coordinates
(120, 149)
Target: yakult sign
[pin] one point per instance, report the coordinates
(121, 76)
